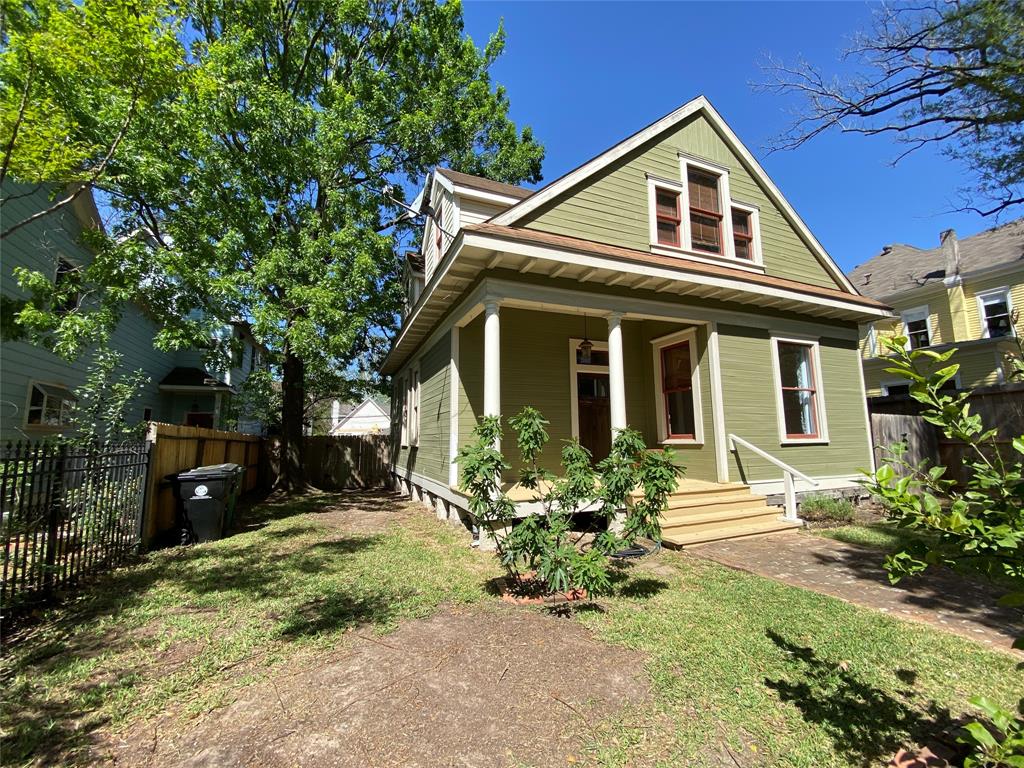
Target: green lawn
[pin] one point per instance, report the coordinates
(882, 535)
(773, 674)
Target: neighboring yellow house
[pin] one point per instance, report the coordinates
(963, 294)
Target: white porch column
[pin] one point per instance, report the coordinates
(616, 373)
(492, 359)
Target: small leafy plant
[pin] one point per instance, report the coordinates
(628, 490)
(827, 508)
(977, 527)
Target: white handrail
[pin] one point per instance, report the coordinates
(788, 472)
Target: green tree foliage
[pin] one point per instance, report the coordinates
(75, 79)
(101, 413)
(542, 545)
(269, 185)
(938, 73)
(978, 527)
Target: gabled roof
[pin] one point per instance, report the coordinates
(901, 267)
(517, 212)
(484, 185)
(415, 260)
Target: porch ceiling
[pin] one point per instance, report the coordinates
(480, 248)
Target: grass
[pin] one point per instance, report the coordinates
(178, 626)
(743, 670)
(750, 669)
(883, 535)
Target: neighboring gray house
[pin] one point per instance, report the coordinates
(37, 386)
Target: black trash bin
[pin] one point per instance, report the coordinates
(205, 493)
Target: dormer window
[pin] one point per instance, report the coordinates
(705, 212)
(669, 218)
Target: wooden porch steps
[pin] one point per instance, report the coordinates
(699, 512)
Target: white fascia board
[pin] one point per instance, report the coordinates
(596, 164)
(485, 197)
(480, 240)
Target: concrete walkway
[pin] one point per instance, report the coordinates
(855, 574)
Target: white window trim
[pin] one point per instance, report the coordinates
(414, 405)
(914, 314)
(872, 339)
(402, 389)
(42, 426)
(726, 203)
(994, 293)
(819, 391)
(658, 344)
(756, 256)
(724, 200)
(886, 383)
(574, 368)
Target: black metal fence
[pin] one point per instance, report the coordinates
(68, 512)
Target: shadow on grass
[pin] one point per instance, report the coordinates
(867, 725)
(297, 559)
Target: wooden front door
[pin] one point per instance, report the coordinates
(594, 413)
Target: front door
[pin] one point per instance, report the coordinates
(594, 413)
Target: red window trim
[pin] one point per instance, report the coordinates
(437, 239)
(676, 221)
(813, 390)
(665, 392)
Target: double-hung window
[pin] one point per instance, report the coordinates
(677, 388)
(677, 391)
(695, 214)
(995, 311)
(915, 328)
(669, 219)
(705, 211)
(65, 274)
(413, 399)
(402, 396)
(49, 405)
(798, 391)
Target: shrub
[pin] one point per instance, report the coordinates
(979, 528)
(542, 545)
(827, 509)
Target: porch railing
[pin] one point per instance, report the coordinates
(789, 474)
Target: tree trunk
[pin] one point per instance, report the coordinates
(292, 477)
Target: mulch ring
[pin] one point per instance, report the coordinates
(483, 686)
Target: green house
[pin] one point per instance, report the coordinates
(665, 285)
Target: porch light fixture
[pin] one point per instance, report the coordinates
(586, 346)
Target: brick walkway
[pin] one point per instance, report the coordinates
(852, 573)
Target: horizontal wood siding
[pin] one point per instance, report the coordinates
(979, 361)
(38, 247)
(430, 457)
(748, 385)
(1014, 281)
(612, 206)
(535, 371)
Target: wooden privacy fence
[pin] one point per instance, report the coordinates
(341, 461)
(177, 448)
(920, 437)
(1001, 408)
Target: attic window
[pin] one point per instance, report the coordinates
(669, 219)
(705, 211)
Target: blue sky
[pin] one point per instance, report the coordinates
(585, 75)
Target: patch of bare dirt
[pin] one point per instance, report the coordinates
(496, 686)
